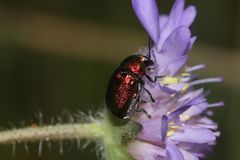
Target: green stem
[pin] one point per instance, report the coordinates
(115, 134)
(57, 132)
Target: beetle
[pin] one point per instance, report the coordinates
(124, 88)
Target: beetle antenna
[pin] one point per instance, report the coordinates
(143, 111)
(150, 95)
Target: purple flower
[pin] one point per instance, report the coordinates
(179, 127)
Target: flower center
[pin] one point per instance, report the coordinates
(172, 128)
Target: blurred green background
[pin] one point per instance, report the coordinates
(58, 55)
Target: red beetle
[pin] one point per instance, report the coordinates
(125, 85)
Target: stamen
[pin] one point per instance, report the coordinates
(218, 104)
(185, 74)
(184, 117)
(171, 80)
(170, 133)
(185, 88)
(174, 127)
(167, 89)
(172, 130)
(203, 81)
(194, 68)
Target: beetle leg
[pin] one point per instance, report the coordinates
(143, 111)
(155, 78)
(150, 78)
(148, 92)
(132, 106)
(151, 69)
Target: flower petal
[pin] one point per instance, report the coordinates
(145, 151)
(188, 156)
(177, 86)
(196, 109)
(177, 43)
(164, 127)
(173, 152)
(151, 130)
(174, 47)
(176, 13)
(194, 135)
(173, 67)
(192, 40)
(176, 65)
(206, 123)
(147, 13)
(157, 91)
(191, 95)
(178, 111)
(188, 16)
(199, 150)
(163, 21)
(173, 21)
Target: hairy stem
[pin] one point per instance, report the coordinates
(115, 134)
(52, 132)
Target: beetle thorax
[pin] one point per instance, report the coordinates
(137, 68)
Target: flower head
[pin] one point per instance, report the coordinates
(179, 127)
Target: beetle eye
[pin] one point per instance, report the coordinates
(148, 62)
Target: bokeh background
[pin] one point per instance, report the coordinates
(57, 56)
